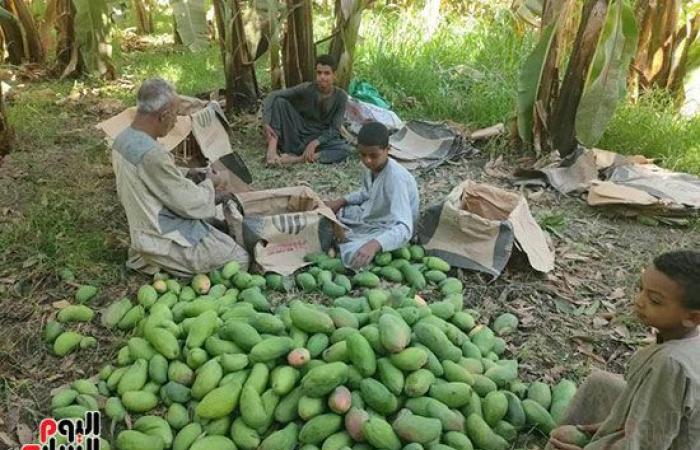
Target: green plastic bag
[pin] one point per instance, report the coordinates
(365, 91)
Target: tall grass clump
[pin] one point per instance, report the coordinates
(466, 71)
(652, 127)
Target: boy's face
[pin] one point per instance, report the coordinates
(325, 77)
(659, 303)
(373, 157)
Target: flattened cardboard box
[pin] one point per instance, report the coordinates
(280, 226)
(197, 121)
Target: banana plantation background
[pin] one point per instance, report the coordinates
(575, 62)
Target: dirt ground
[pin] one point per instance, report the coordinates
(57, 193)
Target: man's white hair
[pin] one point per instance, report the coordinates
(154, 95)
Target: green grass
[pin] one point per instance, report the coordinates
(466, 72)
(67, 220)
(190, 73)
(653, 128)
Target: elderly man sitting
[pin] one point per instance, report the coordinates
(167, 212)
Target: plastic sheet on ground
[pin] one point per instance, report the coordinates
(358, 112)
(425, 145)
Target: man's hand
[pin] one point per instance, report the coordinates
(310, 155)
(196, 175)
(365, 254)
(559, 437)
(559, 445)
(336, 205)
(216, 178)
(222, 197)
(590, 429)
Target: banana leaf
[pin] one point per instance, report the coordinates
(7, 15)
(191, 22)
(529, 83)
(93, 36)
(606, 82)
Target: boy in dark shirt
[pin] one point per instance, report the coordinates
(302, 123)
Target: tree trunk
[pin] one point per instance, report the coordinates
(685, 37)
(144, 16)
(12, 30)
(273, 10)
(644, 15)
(549, 83)
(663, 42)
(239, 70)
(344, 41)
(34, 49)
(2, 46)
(298, 48)
(5, 130)
(662, 52)
(337, 45)
(67, 56)
(563, 119)
(177, 40)
(220, 13)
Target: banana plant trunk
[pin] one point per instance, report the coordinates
(298, 46)
(5, 130)
(562, 122)
(12, 31)
(239, 69)
(683, 39)
(143, 10)
(549, 83)
(273, 11)
(34, 50)
(664, 44)
(347, 28)
(66, 48)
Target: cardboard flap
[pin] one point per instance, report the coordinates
(488, 201)
(605, 159)
(210, 134)
(115, 125)
(284, 200)
(205, 121)
(671, 188)
(576, 177)
(531, 238)
(608, 193)
(189, 105)
(281, 226)
(497, 204)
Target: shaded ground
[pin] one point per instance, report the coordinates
(58, 209)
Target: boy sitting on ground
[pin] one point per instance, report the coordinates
(303, 122)
(657, 406)
(380, 216)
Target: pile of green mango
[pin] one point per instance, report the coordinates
(212, 365)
